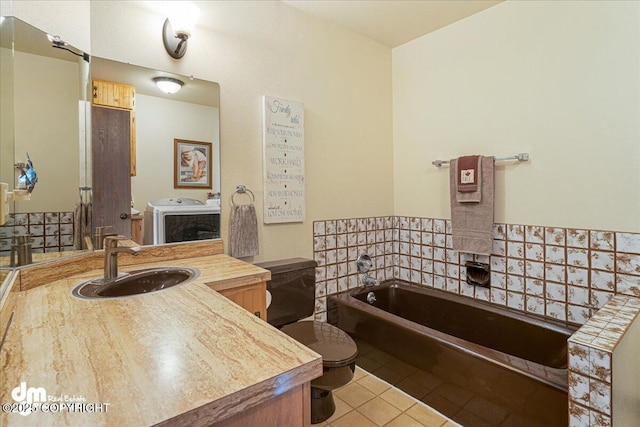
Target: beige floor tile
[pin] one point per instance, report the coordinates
(354, 394)
(398, 399)
(341, 409)
(359, 373)
(373, 384)
(426, 416)
(405, 420)
(379, 411)
(353, 419)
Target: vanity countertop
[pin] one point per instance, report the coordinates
(185, 355)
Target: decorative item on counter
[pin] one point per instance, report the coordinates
(21, 251)
(213, 199)
(28, 176)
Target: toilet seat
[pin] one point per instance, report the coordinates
(335, 346)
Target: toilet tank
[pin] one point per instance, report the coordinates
(293, 290)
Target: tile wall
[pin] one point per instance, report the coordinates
(50, 231)
(336, 247)
(561, 273)
(592, 351)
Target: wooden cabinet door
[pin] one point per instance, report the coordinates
(119, 95)
(132, 142)
(253, 298)
(110, 132)
(112, 94)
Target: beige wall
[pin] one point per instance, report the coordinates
(69, 19)
(7, 173)
(559, 80)
(626, 378)
(48, 89)
(258, 48)
(158, 122)
(556, 79)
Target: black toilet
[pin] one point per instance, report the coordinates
(292, 288)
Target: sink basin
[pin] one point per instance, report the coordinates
(136, 282)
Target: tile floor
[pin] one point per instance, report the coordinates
(367, 401)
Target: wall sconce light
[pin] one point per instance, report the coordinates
(178, 27)
(168, 85)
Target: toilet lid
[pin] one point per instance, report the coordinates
(334, 345)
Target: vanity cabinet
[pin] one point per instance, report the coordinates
(120, 96)
(253, 298)
(136, 228)
(292, 408)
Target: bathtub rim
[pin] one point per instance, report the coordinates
(554, 377)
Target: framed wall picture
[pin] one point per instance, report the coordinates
(191, 164)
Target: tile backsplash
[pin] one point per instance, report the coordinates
(50, 231)
(561, 273)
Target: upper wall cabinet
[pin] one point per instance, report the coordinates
(112, 94)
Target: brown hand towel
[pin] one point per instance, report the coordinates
(468, 168)
(243, 231)
(471, 167)
(472, 223)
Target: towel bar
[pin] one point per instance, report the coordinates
(521, 157)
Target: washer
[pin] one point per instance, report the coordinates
(180, 220)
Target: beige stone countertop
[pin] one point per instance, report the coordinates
(182, 356)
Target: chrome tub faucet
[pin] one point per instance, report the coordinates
(365, 263)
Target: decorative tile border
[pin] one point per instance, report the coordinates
(591, 366)
(562, 273)
(50, 231)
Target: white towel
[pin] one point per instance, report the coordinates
(472, 223)
(243, 231)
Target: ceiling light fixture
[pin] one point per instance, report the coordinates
(168, 85)
(178, 27)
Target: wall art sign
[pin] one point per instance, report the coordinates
(283, 160)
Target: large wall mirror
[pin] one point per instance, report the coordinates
(46, 111)
(172, 133)
(44, 88)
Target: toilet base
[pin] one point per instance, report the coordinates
(322, 405)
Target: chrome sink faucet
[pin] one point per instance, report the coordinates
(111, 251)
